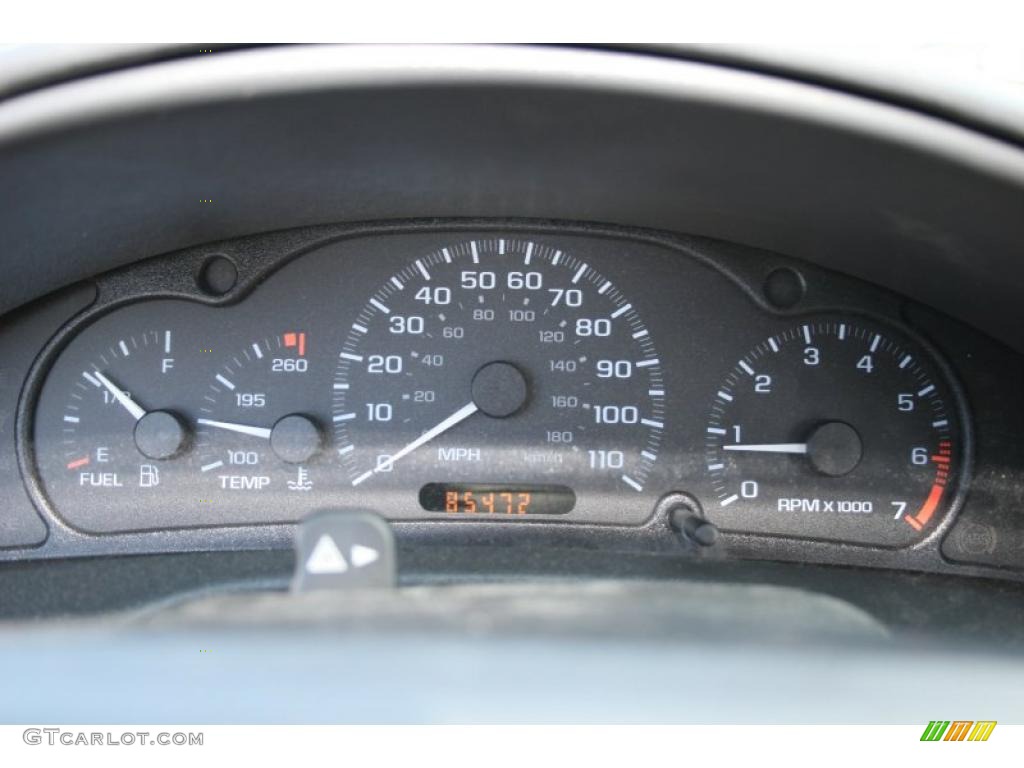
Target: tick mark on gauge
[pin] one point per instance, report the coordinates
(124, 348)
(656, 392)
(716, 431)
(604, 288)
(381, 307)
(905, 361)
(474, 252)
(926, 391)
(715, 467)
(725, 396)
(71, 419)
(91, 379)
(214, 465)
(422, 269)
(621, 311)
(350, 356)
(648, 363)
(579, 273)
(257, 351)
(346, 449)
(359, 328)
(447, 255)
(648, 455)
(344, 417)
(632, 483)
(397, 283)
(341, 386)
(749, 371)
(773, 344)
(652, 423)
(529, 254)
(224, 381)
(729, 500)
(640, 334)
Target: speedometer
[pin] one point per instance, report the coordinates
(500, 377)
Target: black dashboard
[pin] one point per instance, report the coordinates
(482, 377)
(743, 341)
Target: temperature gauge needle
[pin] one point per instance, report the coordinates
(122, 397)
(244, 429)
(459, 416)
(769, 448)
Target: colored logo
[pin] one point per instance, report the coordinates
(958, 730)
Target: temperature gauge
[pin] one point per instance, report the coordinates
(254, 434)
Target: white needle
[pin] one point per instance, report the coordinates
(245, 429)
(460, 415)
(122, 397)
(770, 448)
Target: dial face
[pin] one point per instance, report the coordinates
(507, 363)
(114, 433)
(253, 432)
(834, 429)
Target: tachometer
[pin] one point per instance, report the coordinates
(499, 376)
(834, 429)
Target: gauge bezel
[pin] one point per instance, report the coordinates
(258, 257)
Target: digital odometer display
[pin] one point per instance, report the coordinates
(495, 499)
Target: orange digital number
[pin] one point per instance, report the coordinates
(451, 501)
(469, 501)
(524, 503)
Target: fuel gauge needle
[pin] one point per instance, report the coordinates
(122, 397)
(244, 429)
(769, 448)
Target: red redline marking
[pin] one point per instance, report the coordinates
(78, 463)
(928, 509)
(940, 459)
(912, 523)
(292, 339)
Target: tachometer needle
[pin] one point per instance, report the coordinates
(122, 397)
(459, 416)
(770, 448)
(245, 429)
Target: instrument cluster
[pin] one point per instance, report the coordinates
(542, 376)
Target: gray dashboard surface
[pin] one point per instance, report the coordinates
(105, 170)
(535, 653)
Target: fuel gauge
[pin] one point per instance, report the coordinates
(110, 427)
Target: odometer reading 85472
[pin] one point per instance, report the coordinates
(503, 364)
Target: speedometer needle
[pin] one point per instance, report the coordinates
(122, 397)
(770, 448)
(459, 416)
(245, 429)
